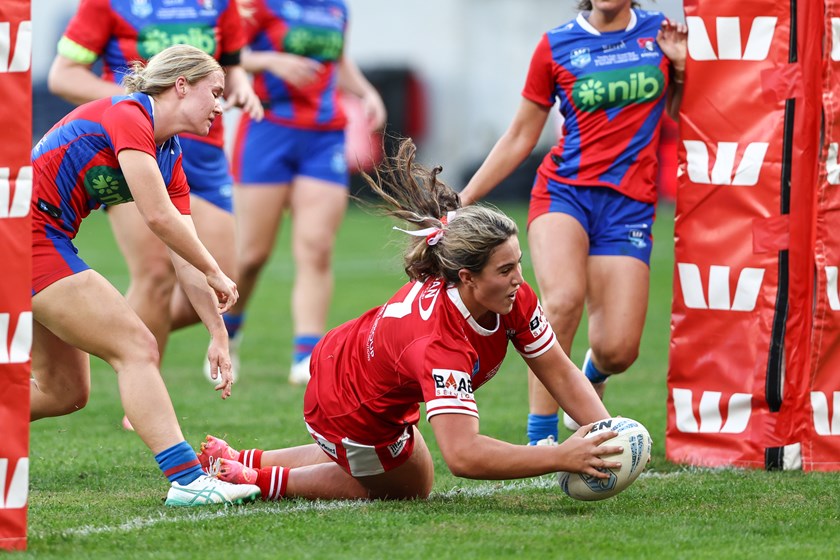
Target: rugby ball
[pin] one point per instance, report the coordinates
(635, 440)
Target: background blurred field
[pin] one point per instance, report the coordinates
(96, 491)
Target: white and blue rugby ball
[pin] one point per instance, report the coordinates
(635, 440)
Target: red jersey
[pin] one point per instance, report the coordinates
(370, 374)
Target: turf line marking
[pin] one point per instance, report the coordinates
(211, 513)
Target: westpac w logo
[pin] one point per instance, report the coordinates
(19, 61)
(19, 488)
(18, 207)
(747, 174)
(822, 425)
(21, 346)
(728, 31)
(831, 288)
(832, 167)
(835, 38)
(711, 421)
(746, 291)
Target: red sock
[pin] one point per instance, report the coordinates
(250, 458)
(272, 482)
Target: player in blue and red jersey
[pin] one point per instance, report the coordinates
(114, 151)
(122, 31)
(612, 70)
(294, 159)
(437, 340)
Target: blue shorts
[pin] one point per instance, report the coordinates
(208, 173)
(267, 152)
(617, 225)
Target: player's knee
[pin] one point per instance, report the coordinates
(138, 349)
(156, 280)
(314, 256)
(72, 399)
(251, 262)
(615, 358)
(562, 311)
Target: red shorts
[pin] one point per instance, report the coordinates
(359, 459)
(53, 256)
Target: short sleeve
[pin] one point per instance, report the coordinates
(529, 329)
(231, 30)
(87, 32)
(444, 377)
(540, 84)
(129, 127)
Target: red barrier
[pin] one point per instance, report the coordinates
(739, 355)
(15, 281)
(822, 448)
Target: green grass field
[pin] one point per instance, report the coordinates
(96, 491)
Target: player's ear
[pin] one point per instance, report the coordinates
(467, 278)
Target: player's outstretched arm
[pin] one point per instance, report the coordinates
(569, 387)
(75, 82)
(469, 454)
(513, 147)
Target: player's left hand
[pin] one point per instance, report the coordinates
(220, 366)
(673, 40)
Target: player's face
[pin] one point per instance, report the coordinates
(204, 103)
(494, 288)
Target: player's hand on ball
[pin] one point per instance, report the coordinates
(587, 455)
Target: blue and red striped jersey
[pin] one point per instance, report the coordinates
(75, 167)
(311, 28)
(123, 31)
(611, 89)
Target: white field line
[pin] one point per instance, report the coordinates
(210, 513)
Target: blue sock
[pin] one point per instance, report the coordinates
(593, 374)
(304, 344)
(233, 323)
(179, 463)
(540, 426)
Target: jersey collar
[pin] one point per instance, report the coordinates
(455, 297)
(584, 23)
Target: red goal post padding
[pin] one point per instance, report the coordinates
(15, 280)
(741, 315)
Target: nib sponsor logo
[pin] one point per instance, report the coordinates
(729, 43)
(747, 173)
(695, 297)
(710, 419)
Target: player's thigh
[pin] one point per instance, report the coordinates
(145, 254)
(87, 312)
(412, 479)
(559, 252)
(258, 210)
(216, 229)
(318, 208)
(617, 299)
(58, 367)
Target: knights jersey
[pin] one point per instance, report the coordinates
(370, 374)
(310, 28)
(123, 31)
(611, 88)
(75, 167)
